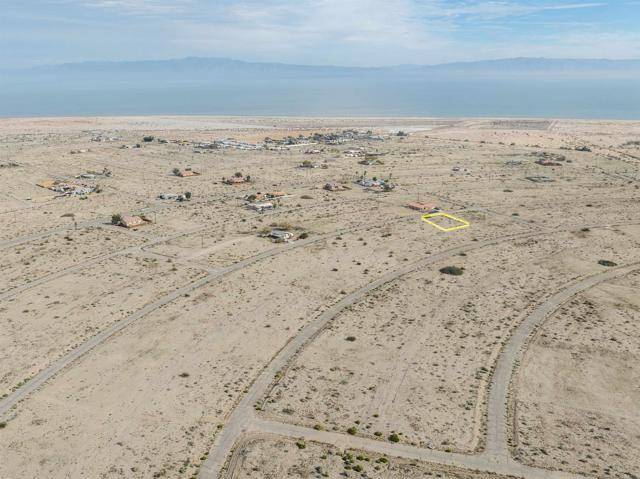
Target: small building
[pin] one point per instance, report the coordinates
(186, 173)
(276, 194)
(334, 186)
(280, 236)
(235, 180)
(545, 162)
(260, 207)
(422, 207)
(132, 221)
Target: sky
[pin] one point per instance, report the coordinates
(319, 32)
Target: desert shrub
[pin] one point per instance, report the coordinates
(452, 270)
(116, 219)
(394, 437)
(606, 262)
(352, 430)
(301, 445)
(304, 235)
(176, 171)
(350, 338)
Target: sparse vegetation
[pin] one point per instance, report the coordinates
(452, 270)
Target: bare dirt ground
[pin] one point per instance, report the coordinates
(131, 352)
(576, 394)
(276, 458)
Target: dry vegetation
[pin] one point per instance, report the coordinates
(214, 302)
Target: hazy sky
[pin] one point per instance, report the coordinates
(343, 32)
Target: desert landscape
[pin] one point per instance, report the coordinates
(254, 297)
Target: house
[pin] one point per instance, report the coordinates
(333, 186)
(47, 184)
(276, 194)
(422, 207)
(280, 236)
(185, 173)
(168, 196)
(235, 180)
(132, 221)
(308, 164)
(260, 207)
(545, 162)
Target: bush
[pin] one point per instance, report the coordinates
(453, 270)
(116, 219)
(176, 172)
(394, 438)
(187, 195)
(350, 338)
(606, 262)
(301, 445)
(352, 431)
(304, 236)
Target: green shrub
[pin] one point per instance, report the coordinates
(394, 438)
(452, 270)
(606, 262)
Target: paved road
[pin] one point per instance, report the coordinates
(80, 266)
(4, 244)
(343, 441)
(497, 427)
(241, 417)
(496, 457)
(34, 383)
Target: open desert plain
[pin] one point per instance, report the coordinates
(209, 297)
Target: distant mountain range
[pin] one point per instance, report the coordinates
(204, 66)
(521, 87)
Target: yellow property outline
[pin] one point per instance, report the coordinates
(465, 223)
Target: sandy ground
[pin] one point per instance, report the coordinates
(577, 394)
(416, 358)
(150, 399)
(272, 458)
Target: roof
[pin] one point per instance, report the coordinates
(235, 179)
(415, 205)
(46, 183)
(132, 221)
(184, 173)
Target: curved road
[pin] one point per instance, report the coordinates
(54, 368)
(242, 416)
(497, 418)
(244, 423)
